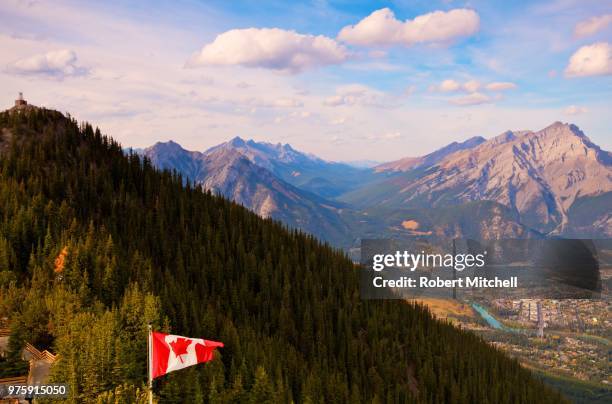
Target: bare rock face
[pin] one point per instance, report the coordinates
(409, 163)
(540, 175)
(266, 155)
(308, 172)
(229, 170)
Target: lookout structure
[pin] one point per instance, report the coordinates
(21, 105)
(20, 102)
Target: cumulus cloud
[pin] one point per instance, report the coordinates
(500, 86)
(591, 60)
(472, 99)
(59, 64)
(592, 25)
(574, 110)
(270, 48)
(382, 28)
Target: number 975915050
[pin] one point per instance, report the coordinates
(33, 390)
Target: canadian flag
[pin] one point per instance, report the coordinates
(173, 352)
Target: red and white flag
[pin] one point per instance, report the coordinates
(173, 352)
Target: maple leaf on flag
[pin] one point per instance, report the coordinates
(179, 347)
(174, 352)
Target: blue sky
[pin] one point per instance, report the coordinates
(346, 80)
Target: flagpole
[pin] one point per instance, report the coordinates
(150, 362)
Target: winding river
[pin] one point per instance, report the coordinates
(492, 321)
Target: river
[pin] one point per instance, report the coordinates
(492, 321)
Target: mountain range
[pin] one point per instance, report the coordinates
(249, 173)
(551, 182)
(97, 247)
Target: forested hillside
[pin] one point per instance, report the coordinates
(94, 245)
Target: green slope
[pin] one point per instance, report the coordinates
(94, 245)
(578, 391)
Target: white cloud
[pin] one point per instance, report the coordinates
(471, 86)
(500, 86)
(58, 64)
(472, 99)
(334, 101)
(270, 48)
(154, 85)
(592, 25)
(447, 86)
(574, 110)
(591, 60)
(358, 94)
(382, 28)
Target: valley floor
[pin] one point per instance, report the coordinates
(573, 355)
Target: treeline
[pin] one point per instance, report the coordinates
(95, 244)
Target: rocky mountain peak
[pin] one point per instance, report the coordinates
(537, 174)
(507, 136)
(409, 163)
(170, 145)
(237, 142)
(563, 128)
(473, 141)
